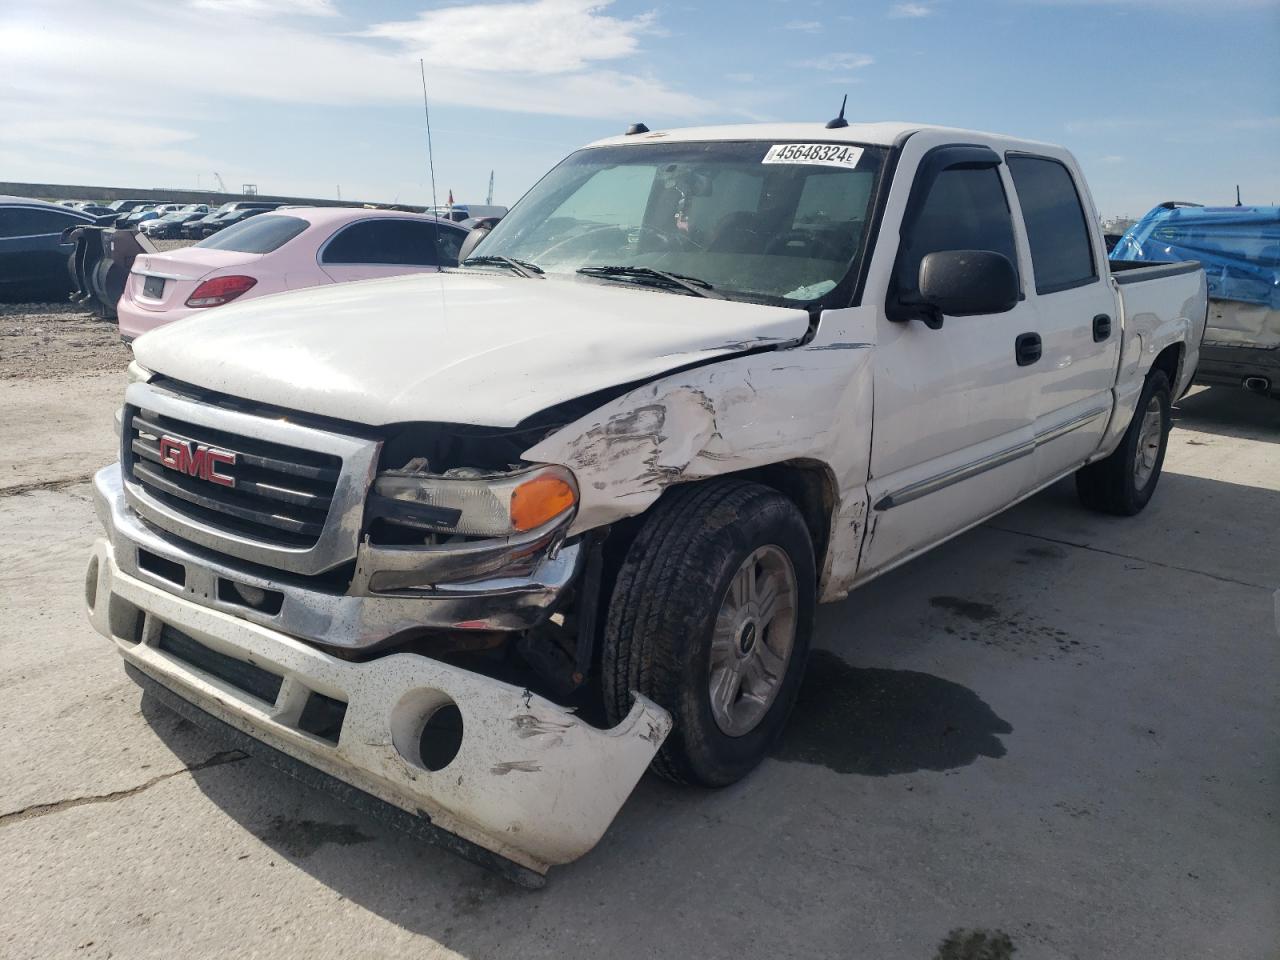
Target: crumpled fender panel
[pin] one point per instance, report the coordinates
(101, 262)
(811, 403)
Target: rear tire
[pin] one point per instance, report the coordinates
(710, 617)
(1122, 483)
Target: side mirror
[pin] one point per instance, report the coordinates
(472, 240)
(961, 283)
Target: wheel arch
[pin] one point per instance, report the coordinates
(1170, 360)
(809, 484)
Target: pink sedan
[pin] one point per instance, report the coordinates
(283, 250)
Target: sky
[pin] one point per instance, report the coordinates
(1158, 99)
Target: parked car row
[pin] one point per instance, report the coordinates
(246, 248)
(229, 214)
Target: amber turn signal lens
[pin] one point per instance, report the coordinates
(540, 499)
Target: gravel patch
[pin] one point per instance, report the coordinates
(57, 341)
(62, 341)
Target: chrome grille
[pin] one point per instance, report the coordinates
(281, 495)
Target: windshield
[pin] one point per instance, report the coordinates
(772, 223)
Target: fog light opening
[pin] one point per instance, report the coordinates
(441, 737)
(91, 584)
(124, 620)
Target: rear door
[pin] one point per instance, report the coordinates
(1074, 307)
(388, 247)
(952, 437)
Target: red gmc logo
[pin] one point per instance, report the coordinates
(197, 460)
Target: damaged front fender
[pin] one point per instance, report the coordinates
(810, 403)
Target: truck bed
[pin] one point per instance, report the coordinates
(1139, 271)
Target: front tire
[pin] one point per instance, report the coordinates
(1122, 483)
(710, 617)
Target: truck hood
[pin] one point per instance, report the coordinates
(455, 348)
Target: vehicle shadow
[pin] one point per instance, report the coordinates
(1229, 412)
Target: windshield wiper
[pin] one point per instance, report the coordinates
(523, 267)
(654, 277)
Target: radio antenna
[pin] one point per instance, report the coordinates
(431, 163)
(431, 157)
(839, 120)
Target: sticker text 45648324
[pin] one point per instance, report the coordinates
(824, 154)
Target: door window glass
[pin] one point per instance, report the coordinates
(965, 209)
(1057, 231)
(393, 242)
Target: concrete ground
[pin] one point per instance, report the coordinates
(1054, 737)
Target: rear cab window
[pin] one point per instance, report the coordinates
(261, 234)
(1057, 231)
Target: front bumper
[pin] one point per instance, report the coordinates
(355, 619)
(530, 782)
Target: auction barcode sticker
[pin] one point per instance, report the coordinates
(825, 154)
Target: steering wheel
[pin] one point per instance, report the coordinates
(779, 243)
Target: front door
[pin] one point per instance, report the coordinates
(953, 433)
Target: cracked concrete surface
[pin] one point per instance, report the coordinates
(58, 806)
(1054, 737)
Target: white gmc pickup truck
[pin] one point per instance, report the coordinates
(476, 549)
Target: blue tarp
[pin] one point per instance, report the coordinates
(1238, 246)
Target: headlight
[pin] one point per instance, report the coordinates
(137, 373)
(500, 505)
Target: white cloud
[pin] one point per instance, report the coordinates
(548, 72)
(1256, 123)
(804, 26)
(268, 8)
(1189, 6)
(89, 130)
(66, 106)
(1110, 124)
(912, 11)
(542, 37)
(832, 62)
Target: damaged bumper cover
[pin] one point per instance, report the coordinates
(530, 783)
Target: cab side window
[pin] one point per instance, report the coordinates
(33, 222)
(1061, 254)
(384, 241)
(965, 209)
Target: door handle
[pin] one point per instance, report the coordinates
(1026, 349)
(1101, 327)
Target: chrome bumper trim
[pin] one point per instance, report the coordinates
(356, 619)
